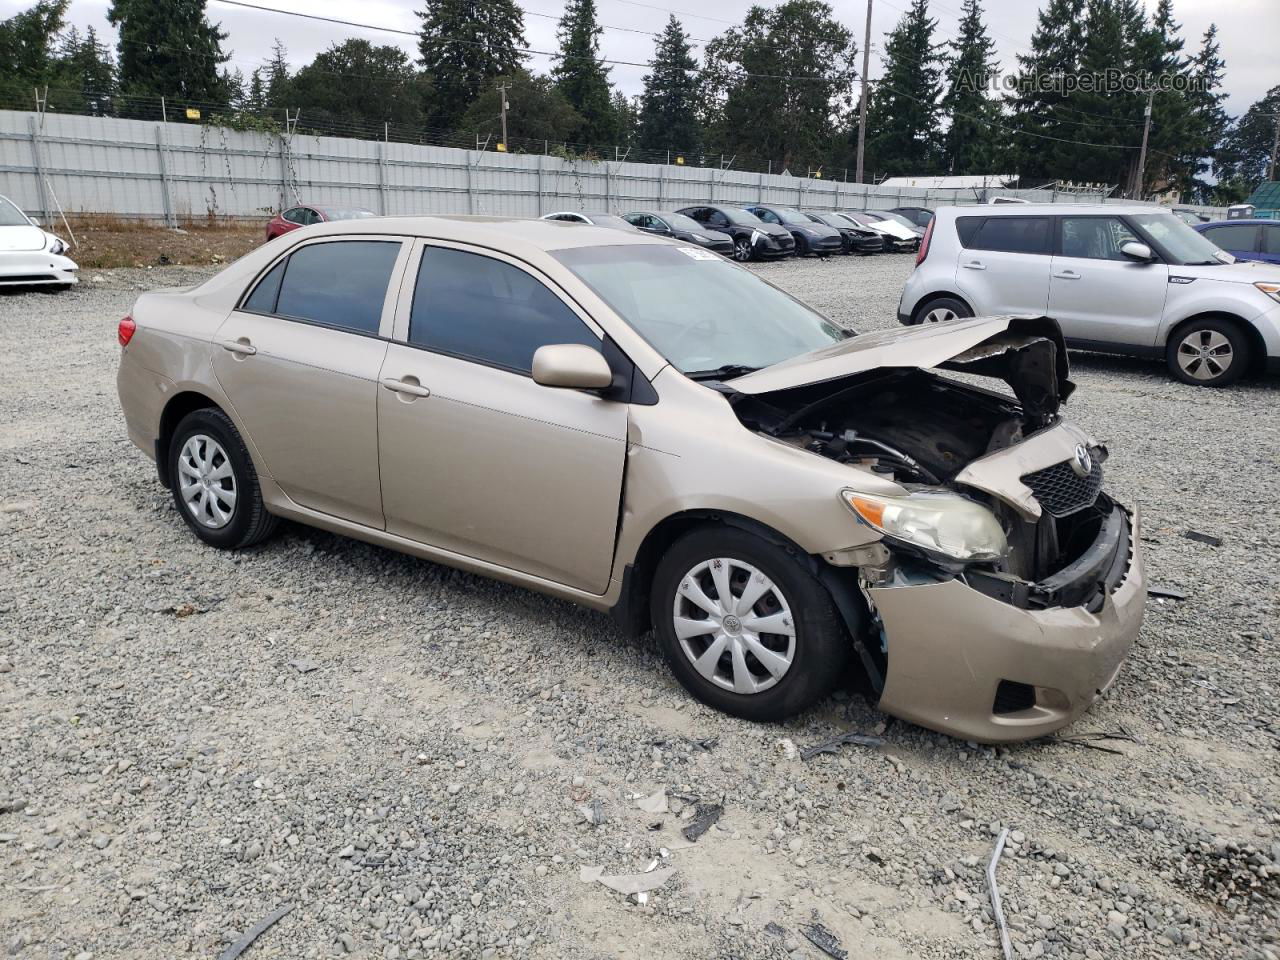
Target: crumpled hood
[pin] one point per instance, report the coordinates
(895, 229)
(1028, 353)
(22, 238)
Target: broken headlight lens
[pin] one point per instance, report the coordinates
(940, 522)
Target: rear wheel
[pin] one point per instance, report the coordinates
(745, 625)
(1210, 352)
(742, 249)
(214, 483)
(941, 310)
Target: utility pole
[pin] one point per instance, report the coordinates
(862, 109)
(502, 93)
(1136, 192)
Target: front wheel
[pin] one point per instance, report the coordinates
(742, 249)
(1208, 353)
(745, 625)
(214, 482)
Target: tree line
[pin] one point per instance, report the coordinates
(780, 88)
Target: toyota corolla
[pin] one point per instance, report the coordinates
(638, 425)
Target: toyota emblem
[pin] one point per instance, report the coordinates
(1082, 464)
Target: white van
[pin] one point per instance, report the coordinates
(1119, 279)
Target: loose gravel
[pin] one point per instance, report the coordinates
(425, 763)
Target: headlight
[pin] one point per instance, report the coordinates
(1272, 290)
(57, 247)
(940, 522)
(701, 239)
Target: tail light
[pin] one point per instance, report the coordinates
(124, 333)
(924, 244)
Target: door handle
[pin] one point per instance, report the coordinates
(974, 265)
(241, 346)
(1066, 275)
(408, 385)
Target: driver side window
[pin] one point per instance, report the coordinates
(768, 216)
(1095, 238)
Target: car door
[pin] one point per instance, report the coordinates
(1004, 263)
(299, 361)
(1099, 295)
(479, 460)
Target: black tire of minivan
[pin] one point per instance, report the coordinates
(1208, 370)
(822, 646)
(249, 522)
(958, 309)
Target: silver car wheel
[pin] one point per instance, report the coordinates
(1205, 354)
(206, 481)
(940, 315)
(734, 625)
(742, 250)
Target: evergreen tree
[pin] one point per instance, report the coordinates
(1209, 119)
(276, 81)
(668, 115)
(463, 46)
(168, 48)
(779, 85)
(28, 47)
(86, 73)
(356, 86)
(969, 145)
(538, 111)
(902, 117)
(1055, 54)
(1246, 152)
(581, 75)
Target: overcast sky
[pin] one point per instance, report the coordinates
(1247, 29)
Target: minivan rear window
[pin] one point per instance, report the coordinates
(1005, 234)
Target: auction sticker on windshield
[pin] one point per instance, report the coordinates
(697, 254)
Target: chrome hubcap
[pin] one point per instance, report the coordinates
(206, 482)
(734, 625)
(1205, 354)
(939, 315)
(742, 250)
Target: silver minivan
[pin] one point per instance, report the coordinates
(1118, 279)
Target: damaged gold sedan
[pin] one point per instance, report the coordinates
(645, 428)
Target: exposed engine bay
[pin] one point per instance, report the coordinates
(922, 430)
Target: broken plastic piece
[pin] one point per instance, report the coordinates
(654, 803)
(631, 884)
(703, 820)
(824, 940)
(996, 910)
(1173, 593)
(257, 930)
(835, 743)
(1199, 537)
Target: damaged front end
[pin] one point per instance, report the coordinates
(1006, 585)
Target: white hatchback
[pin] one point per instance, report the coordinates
(29, 255)
(1118, 279)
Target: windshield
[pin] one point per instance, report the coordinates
(11, 216)
(352, 214)
(678, 221)
(697, 309)
(787, 215)
(859, 218)
(607, 220)
(740, 217)
(1183, 246)
(899, 218)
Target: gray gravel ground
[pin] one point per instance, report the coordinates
(190, 739)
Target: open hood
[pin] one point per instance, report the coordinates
(899, 231)
(1027, 353)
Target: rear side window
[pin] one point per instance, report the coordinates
(342, 284)
(1241, 237)
(479, 308)
(263, 298)
(1005, 234)
(1271, 239)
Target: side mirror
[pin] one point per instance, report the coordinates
(1137, 251)
(571, 365)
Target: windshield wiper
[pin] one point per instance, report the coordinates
(719, 373)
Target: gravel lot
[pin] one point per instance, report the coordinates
(190, 739)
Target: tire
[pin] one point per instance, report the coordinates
(802, 245)
(819, 648)
(940, 310)
(1208, 352)
(227, 522)
(742, 251)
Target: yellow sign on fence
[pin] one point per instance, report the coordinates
(193, 113)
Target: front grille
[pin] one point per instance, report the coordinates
(1061, 491)
(27, 278)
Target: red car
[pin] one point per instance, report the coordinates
(304, 216)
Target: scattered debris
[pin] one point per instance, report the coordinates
(655, 803)
(628, 884)
(835, 743)
(875, 858)
(706, 815)
(1088, 739)
(593, 812)
(1172, 593)
(303, 665)
(996, 910)
(184, 610)
(1199, 537)
(257, 930)
(824, 940)
(773, 929)
(705, 743)
(788, 748)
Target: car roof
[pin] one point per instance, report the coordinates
(509, 233)
(1246, 221)
(1050, 209)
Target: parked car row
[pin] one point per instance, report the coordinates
(767, 232)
